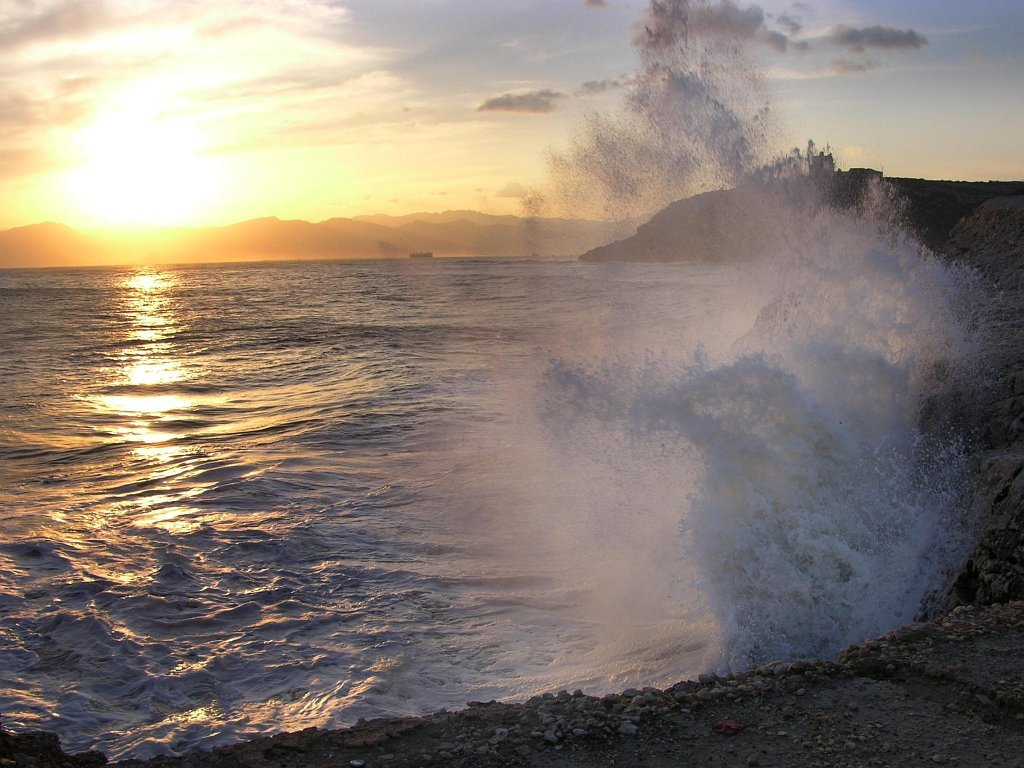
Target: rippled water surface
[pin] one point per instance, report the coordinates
(238, 498)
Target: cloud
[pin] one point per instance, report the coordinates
(594, 87)
(67, 64)
(790, 23)
(595, 4)
(27, 162)
(851, 66)
(25, 115)
(727, 19)
(775, 40)
(534, 102)
(512, 189)
(66, 19)
(889, 38)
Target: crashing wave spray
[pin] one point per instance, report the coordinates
(696, 117)
(817, 504)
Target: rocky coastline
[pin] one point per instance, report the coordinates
(949, 690)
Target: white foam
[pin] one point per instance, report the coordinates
(777, 474)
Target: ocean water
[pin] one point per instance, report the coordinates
(242, 498)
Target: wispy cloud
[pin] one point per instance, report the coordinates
(69, 19)
(750, 24)
(595, 4)
(27, 162)
(789, 22)
(534, 102)
(887, 38)
(775, 40)
(851, 66)
(595, 87)
(65, 62)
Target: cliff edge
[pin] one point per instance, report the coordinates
(735, 224)
(992, 240)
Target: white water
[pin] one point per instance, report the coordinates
(785, 436)
(768, 463)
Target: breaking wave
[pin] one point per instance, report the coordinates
(800, 440)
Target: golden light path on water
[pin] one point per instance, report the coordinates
(149, 364)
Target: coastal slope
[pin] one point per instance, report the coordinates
(992, 240)
(725, 225)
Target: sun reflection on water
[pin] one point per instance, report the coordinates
(149, 360)
(144, 397)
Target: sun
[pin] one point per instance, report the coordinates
(141, 169)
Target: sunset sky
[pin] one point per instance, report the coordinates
(188, 111)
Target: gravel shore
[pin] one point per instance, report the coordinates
(949, 691)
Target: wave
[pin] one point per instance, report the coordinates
(816, 480)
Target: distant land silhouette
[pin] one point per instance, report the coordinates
(451, 233)
(726, 224)
(711, 227)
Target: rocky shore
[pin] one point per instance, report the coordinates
(948, 691)
(992, 240)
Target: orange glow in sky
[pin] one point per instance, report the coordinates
(157, 112)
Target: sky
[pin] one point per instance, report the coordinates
(192, 112)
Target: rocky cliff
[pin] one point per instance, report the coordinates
(727, 225)
(992, 240)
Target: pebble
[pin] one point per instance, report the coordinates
(629, 729)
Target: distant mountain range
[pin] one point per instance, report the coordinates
(451, 233)
(710, 227)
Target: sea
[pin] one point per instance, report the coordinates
(250, 497)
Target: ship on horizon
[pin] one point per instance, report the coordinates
(421, 255)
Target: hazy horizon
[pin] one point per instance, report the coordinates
(121, 114)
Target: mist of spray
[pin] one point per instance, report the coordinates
(696, 117)
(777, 473)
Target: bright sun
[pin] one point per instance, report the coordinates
(141, 170)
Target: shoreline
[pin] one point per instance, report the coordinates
(942, 692)
(949, 690)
